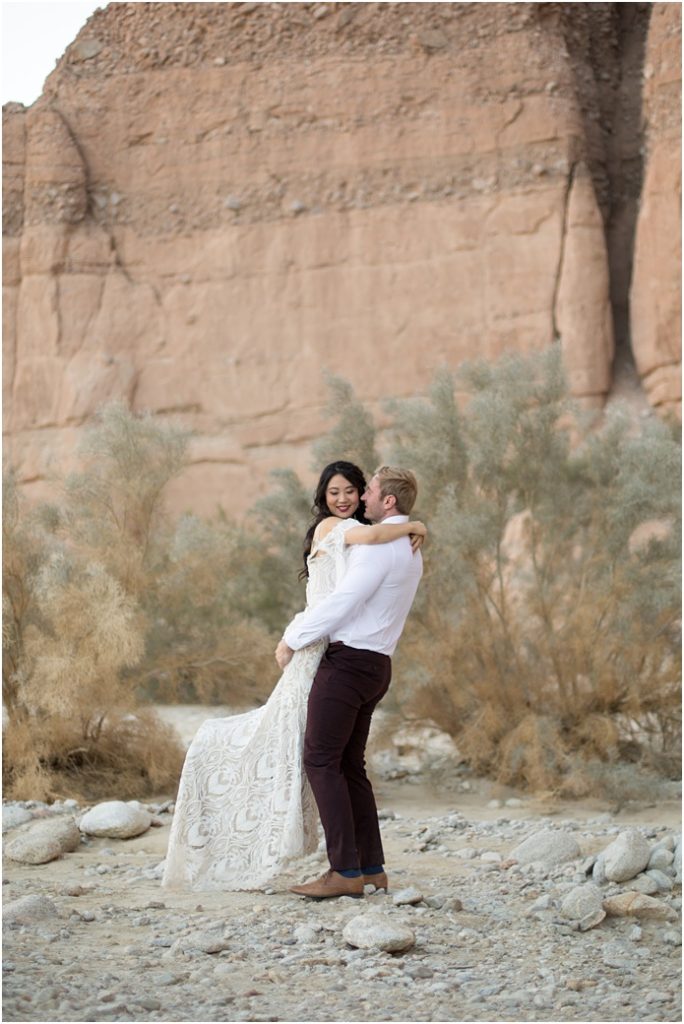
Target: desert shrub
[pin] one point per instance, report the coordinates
(26, 548)
(194, 581)
(547, 636)
(107, 603)
(278, 522)
(70, 633)
(113, 508)
(270, 581)
(207, 640)
(353, 436)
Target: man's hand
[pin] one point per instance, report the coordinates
(417, 534)
(416, 541)
(283, 654)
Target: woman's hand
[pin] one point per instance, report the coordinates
(283, 654)
(417, 534)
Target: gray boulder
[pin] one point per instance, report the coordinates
(378, 931)
(626, 857)
(28, 909)
(643, 884)
(583, 904)
(13, 816)
(634, 904)
(548, 848)
(45, 841)
(64, 829)
(663, 882)
(661, 859)
(115, 819)
(33, 849)
(407, 897)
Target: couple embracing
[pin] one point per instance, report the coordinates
(251, 783)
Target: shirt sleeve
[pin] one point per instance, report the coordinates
(368, 566)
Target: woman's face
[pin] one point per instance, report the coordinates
(341, 497)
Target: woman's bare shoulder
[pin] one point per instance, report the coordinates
(325, 526)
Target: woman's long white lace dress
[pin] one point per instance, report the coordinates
(244, 806)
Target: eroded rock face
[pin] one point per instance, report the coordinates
(210, 206)
(656, 310)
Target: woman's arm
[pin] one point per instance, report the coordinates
(379, 533)
(383, 533)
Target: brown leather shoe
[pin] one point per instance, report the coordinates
(379, 880)
(332, 883)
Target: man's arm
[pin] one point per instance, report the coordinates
(368, 566)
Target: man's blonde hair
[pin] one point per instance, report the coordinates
(399, 482)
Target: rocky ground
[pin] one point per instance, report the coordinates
(504, 901)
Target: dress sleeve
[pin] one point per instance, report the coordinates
(334, 544)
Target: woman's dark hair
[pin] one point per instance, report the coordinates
(320, 510)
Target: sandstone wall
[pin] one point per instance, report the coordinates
(656, 308)
(212, 204)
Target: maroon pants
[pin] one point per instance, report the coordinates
(345, 691)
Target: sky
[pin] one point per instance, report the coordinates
(34, 37)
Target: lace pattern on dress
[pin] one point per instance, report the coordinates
(244, 807)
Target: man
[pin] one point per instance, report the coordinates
(363, 619)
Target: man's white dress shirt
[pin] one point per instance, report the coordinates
(368, 607)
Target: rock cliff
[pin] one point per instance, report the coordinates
(656, 307)
(211, 204)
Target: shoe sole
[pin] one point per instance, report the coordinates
(332, 896)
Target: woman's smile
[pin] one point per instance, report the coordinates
(341, 497)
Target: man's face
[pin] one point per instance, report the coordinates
(375, 503)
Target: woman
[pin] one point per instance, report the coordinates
(244, 806)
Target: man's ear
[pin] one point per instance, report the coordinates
(392, 499)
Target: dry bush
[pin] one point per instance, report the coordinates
(273, 552)
(555, 629)
(70, 632)
(353, 437)
(207, 641)
(545, 635)
(113, 510)
(134, 754)
(106, 601)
